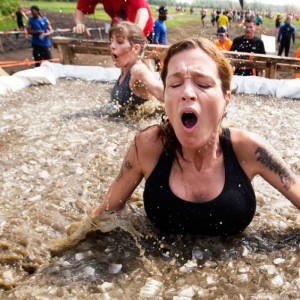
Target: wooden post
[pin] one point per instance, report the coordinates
(66, 54)
(271, 69)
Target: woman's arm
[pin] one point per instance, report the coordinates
(49, 27)
(142, 17)
(128, 179)
(258, 157)
(144, 84)
(138, 163)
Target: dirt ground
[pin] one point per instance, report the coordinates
(19, 49)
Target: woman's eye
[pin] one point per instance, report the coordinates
(203, 85)
(175, 84)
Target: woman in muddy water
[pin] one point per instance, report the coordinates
(197, 171)
(136, 83)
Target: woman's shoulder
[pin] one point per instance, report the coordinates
(245, 138)
(246, 144)
(149, 146)
(150, 140)
(151, 135)
(139, 68)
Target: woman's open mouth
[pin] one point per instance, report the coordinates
(189, 119)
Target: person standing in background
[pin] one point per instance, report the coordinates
(223, 20)
(160, 28)
(298, 56)
(213, 17)
(248, 43)
(160, 32)
(286, 33)
(258, 21)
(135, 11)
(203, 15)
(223, 42)
(19, 19)
(277, 23)
(40, 28)
(19, 15)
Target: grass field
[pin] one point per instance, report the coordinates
(8, 23)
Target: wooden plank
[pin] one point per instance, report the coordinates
(68, 47)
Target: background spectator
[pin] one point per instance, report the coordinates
(298, 56)
(223, 42)
(286, 33)
(40, 28)
(160, 28)
(223, 20)
(248, 43)
(203, 15)
(277, 23)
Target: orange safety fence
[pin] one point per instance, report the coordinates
(8, 62)
(6, 33)
(25, 62)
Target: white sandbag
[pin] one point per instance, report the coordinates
(279, 88)
(253, 85)
(12, 84)
(288, 88)
(88, 73)
(39, 75)
(49, 72)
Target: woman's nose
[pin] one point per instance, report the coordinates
(188, 92)
(112, 45)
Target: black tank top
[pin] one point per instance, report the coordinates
(229, 213)
(123, 95)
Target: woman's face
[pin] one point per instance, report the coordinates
(34, 13)
(121, 49)
(194, 100)
(249, 30)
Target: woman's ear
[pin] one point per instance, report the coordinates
(137, 49)
(227, 97)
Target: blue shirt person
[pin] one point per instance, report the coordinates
(287, 31)
(160, 29)
(40, 29)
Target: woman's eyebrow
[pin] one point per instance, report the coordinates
(193, 73)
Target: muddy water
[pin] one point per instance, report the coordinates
(58, 154)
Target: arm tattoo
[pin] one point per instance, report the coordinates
(267, 160)
(126, 165)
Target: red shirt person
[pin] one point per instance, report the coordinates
(135, 11)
